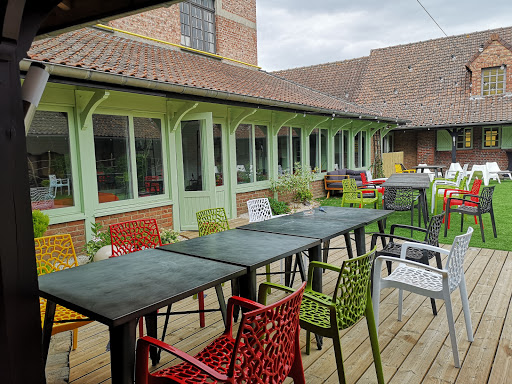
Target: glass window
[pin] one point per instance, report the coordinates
(318, 149)
(49, 161)
(465, 139)
(112, 151)
(217, 154)
(296, 146)
(493, 80)
(260, 141)
(244, 151)
(388, 143)
(191, 150)
(364, 155)
(491, 137)
(323, 150)
(283, 150)
(197, 19)
(149, 158)
(341, 150)
(313, 148)
(357, 150)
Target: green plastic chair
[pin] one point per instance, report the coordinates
(326, 315)
(353, 195)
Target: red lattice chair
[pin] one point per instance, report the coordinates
(265, 349)
(136, 235)
(452, 194)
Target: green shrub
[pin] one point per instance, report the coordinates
(278, 207)
(40, 222)
(169, 236)
(298, 182)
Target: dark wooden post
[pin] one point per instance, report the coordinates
(20, 324)
(453, 133)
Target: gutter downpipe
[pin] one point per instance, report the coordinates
(123, 80)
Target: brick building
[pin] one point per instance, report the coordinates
(458, 86)
(165, 113)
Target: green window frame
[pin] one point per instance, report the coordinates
(252, 153)
(464, 139)
(133, 195)
(491, 137)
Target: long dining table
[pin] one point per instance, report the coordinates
(119, 290)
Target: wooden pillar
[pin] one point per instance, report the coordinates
(20, 324)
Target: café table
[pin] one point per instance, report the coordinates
(323, 225)
(418, 181)
(247, 249)
(119, 290)
(438, 169)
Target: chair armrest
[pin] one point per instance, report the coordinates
(392, 237)
(264, 288)
(145, 342)
(466, 197)
(451, 191)
(333, 178)
(424, 246)
(380, 259)
(410, 227)
(276, 216)
(242, 302)
(319, 264)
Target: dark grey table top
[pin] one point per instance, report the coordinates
(324, 226)
(248, 249)
(119, 289)
(413, 180)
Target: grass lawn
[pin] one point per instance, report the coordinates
(502, 203)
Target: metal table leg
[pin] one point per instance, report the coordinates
(122, 352)
(47, 328)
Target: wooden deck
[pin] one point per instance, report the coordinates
(416, 350)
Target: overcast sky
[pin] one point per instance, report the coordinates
(297, 33)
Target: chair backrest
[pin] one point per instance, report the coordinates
(455, 261)
(485, 199)
(259, 209)
(54, 253)
(134, 235)
(240, 168)
(363, 178)
(398, 168)
(265, 345)
(53, 180)
(475, 189)
(212, 220)
(398, 198)
(349, 189)
(492, 166)
(350, 294)
(432, 235)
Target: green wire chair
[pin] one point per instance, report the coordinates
(212, 220)
(326, 315)
(353, 195)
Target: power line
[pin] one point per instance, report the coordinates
(425, 9)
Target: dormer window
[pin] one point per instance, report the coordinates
(198, 24)
(493, 80)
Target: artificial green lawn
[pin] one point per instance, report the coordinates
(502, 203)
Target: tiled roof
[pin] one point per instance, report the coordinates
(341, 78)
(425, 82)
(96, 50)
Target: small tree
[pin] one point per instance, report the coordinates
(298, 182)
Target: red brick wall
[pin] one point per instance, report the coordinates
(406, 142)
(233, 40)
(317, 187)
(494, 55)
(426, 141)
(76, 229)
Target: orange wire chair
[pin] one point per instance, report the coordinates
(55, 253)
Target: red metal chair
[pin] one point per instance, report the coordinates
(372, 184)
(450, 194)
(266, 348)
(136, 235)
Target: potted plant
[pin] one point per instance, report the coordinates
(98, 248)
(40, 221)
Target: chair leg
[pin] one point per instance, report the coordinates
(75, 338)
(297, 369)
(339, 357)
(493, 224)
(465, 308)
(374, 340)
(461, 222)
(451, 327)
(308, 342)
(446, 218)
(141, 327)
(481, 228)
(400, 303)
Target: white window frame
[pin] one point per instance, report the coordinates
(493, 80)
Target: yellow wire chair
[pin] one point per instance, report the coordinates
(55, 253)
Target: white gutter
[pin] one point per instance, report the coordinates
(112, 78)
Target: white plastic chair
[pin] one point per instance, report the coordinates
(427, 171)
(428, 281)
(58, 183)
(454, 167)
(240, 168)
(495, 171)
(480, 168)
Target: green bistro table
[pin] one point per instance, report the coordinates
(323, 226)
(248, 249)
(119, 290)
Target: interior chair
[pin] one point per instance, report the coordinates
(353, 195)
(454, 193)
(495, 172)
(58, 183)
(400, 168)
(136, 235)
(326, 315)
(260, 210)
(401, 199)
(55, 253)
(429, 281)
(470, 207)
(393, 247)
(266, 348)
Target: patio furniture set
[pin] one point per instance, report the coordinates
(175, 271)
